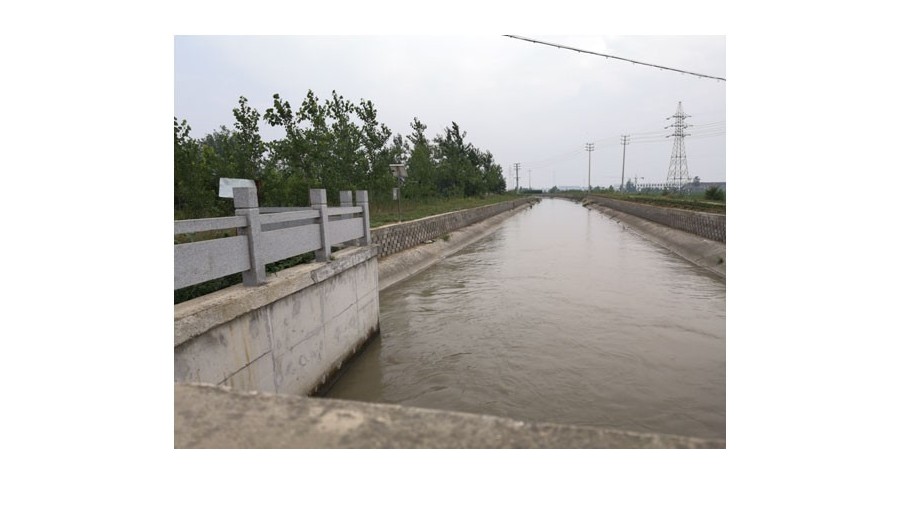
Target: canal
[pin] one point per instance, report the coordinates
(561, 315)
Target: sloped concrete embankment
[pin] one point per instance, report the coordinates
(409, 248)
(691, 240)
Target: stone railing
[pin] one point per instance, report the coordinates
(267, 235)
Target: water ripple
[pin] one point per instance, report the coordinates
(560, 316)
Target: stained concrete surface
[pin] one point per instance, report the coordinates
(208, 416)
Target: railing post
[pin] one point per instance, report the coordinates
(246, 204)
(362, 200)
(346, 201)
(319, 201)
(346, 198)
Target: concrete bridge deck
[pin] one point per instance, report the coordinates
(207, 416)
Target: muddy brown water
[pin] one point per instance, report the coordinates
(562, 315)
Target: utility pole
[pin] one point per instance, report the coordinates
(516, 166)
(589, 147)
(624, 143)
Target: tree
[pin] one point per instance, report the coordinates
(452, 162)
(249, 148)
(298, 158)
(344, 165)
(195, 193)
(491, 173)
(337, 145)
(379, 154)
(422, 181)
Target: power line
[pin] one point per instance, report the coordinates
(560, 46)
(711, 129)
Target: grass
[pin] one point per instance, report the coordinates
(695, 202)
(383, 213)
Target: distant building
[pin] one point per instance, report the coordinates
(651, 186)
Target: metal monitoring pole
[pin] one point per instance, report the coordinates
(399, 171)
(589, 147)
(624, 143)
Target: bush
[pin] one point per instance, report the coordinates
(714, 193)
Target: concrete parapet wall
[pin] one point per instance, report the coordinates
(287, 336)
(401, 236)
(707, 225)
(211, 417)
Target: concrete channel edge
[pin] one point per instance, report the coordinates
(208, 416)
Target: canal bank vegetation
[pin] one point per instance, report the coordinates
(708, 202)
(333, 144)
(383, 213)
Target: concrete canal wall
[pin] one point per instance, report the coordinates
(699, 250)
(286, 336)
(402, 236)
(419, 244)
(706, 225)
(246, 356)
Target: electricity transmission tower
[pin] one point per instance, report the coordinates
(589, 147)
(678, 168)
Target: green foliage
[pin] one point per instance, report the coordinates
(714, 193)
(336, 145)
(385, 212)
(674, 200)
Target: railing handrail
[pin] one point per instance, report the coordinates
(209, 224)
(289, 232)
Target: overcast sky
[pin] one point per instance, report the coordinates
(524, 102)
